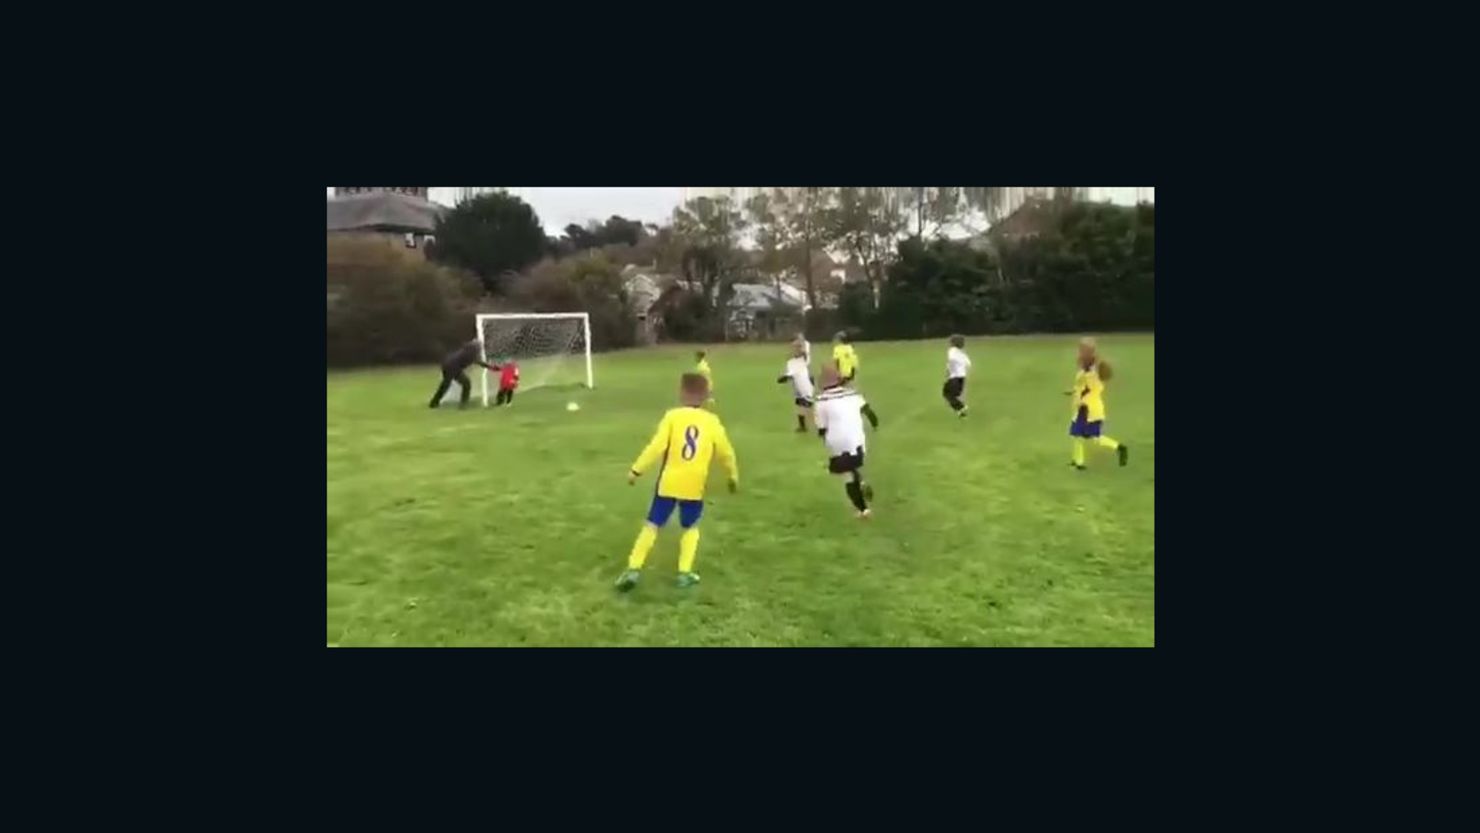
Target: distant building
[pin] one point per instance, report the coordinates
(384, 212)
(411, 192)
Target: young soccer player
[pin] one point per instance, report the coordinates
(687, 440)
(800, 375)
(701, 366)
(957, 363)
(454, 368)
(845, 356)
(1089, 405)
(840, 413)
(508, 380)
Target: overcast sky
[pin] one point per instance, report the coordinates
(559, 207)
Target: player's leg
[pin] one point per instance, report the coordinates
(441, 389)
(509, 397)
(658, 515)
(467, 388)
(1118, 447)
(689, 512)
(1079, 430)
(803, 408)
(952, 393)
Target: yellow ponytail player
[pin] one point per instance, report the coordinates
(687, 441)
(701, 367)
(1089, 405)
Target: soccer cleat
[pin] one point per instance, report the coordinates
(687, 579)
(628, 580)
(1077, 467)
(865, 514)
(1125, 454)
(961, 414)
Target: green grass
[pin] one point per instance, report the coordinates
(508, 527)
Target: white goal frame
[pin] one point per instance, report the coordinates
(585, 319)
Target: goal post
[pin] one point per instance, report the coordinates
(548, 346)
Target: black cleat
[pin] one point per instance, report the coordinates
(1125, 454)
(1076, 466)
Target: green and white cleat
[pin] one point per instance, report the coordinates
(628, 580)
(687, 579)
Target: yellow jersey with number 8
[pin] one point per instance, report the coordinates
(687, 441)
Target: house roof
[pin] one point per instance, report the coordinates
(383, 211)
(760, 296)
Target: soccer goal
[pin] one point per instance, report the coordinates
(549, 347)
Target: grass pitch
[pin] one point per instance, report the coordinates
(508, 526)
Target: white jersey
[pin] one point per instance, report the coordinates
(840, 411)
(801, 378)
(957, 362)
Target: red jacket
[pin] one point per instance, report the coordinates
(508, 376)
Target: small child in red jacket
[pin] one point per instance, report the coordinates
(508, 380)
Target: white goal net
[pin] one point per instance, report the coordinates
(550, 348)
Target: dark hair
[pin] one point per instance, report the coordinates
(958, 341)
(694, 384)
(701, 353)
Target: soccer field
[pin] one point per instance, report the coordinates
(508, 526)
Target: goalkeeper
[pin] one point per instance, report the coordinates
(454, 369)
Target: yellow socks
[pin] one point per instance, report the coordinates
(1105, 442)
(1078, 451)
(642, 546)
(688, 549)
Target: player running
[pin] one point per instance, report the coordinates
(840, 413)
(802, 342)
(957, 363)
(701, 367)
(1089, 405)
(687, 440)
(845, 356)
(800, 375)
(454, 368)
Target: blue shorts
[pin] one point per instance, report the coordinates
(1082, 427)
(662, 509)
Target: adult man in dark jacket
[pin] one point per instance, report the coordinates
(454, 368)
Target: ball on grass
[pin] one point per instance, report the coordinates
(571, 406)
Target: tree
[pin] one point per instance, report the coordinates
(708, 231)
(772, 235)
(491, 235)
(991, 202)
(939, 207)
(807, 219)
(868, 222)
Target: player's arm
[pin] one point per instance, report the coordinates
(650, 454)
(873, 418)
(819, 418)
(726, 454)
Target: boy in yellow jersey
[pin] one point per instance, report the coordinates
(845, 356)
(1089, 405)
(701, 366)
(687, 441)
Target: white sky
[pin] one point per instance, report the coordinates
(559, 207)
